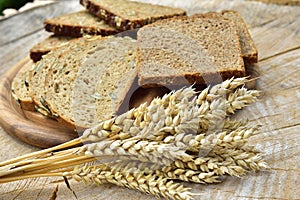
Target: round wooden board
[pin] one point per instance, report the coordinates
(37, 130)
(30, 127)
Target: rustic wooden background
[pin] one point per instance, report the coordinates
(276, 32)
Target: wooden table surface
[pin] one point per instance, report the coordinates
(276, 32)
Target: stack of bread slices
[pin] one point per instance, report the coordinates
(102, 72)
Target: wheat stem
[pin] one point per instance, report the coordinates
(40, 153)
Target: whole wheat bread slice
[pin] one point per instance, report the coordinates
(54, 64)
(20, 88)
(249, 50)
(47, 45)
(68, 85)
(188, 50)
(37, 75)
(103, 80)
(78, 24)
(126, 15)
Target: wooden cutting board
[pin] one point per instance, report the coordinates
(30, 127)
(37, 130)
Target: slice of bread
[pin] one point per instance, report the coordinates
(249, 51)
(78, 24)
(37, 75)
(20, 88)
(126, 15)
(103, 81)
(71, 86)
(188, 50)
(47, 45)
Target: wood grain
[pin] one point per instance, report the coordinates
(276, 34)
(283, 2)
(32, 20)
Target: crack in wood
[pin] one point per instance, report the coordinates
(287, 126)
(279, 54)
(286, 170)
(22, 189)
(54, 194)
(276, 128)
(267, 198)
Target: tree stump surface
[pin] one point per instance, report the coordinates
(275, 30)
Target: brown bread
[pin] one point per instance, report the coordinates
(249, 51)
(125, 15)
(188, 50)
(20, 88)
(47, 45)
(78, 24)
(82, 89)
(37, 75)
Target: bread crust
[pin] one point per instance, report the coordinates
(20, 85)
(121, 23)
(75, 31)
(78, 24)
(37, 55)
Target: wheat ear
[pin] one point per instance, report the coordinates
(142, 120)
(144, 150)
(154, 184)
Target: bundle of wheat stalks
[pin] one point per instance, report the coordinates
(184, 135)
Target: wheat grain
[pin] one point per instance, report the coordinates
(193, 176)
(210, 164)
(231, 125)
(204, 143)
(220, 90)
(171, 171)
